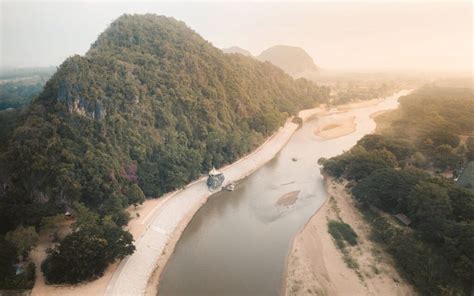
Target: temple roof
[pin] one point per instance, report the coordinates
(214, 172)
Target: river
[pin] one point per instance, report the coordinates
(237, 243)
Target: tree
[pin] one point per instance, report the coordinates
(85, 218)
(458, 248)
(135, 195)
(84, 254)
(470, 148)
(443, 137)
(362, 165)
(384, 188)
(79, 257)
(8, 256)
(387, 156)
(23, 238)
(444, 157)
(462, 201)
(429, 207)
(398, 147)
(119, 243)
(419, 160)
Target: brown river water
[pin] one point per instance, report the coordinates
(237, 243)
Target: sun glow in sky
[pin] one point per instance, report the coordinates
(338, 35)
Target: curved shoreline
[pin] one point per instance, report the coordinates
(312, 246)
(315, 264)
(139, 273)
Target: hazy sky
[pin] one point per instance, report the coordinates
(347, 35)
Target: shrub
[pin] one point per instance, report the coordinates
(83, 255)
(342, 232)
(23, 281)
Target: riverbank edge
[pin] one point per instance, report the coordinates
(327, 180)
(284, 280)
(154, 280)
(332, 276)
(305, 115)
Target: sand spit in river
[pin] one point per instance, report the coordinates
(288, 199)
(336, 128)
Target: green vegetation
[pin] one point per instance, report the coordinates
(349, 87)
(26, 73)
(18, 94)
(466, 179)
(18, 87)
(149, 108)
(84, 254)
(23, 238)
(22, 281)
(342, 233)
(14, 249)
(353, 92)
(8, 122)
(395, 171)
(9, 258)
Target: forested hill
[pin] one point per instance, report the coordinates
(151, 104)
(293, 60)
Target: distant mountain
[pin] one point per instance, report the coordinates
(293, 60)
(151, 104)
(236, 49)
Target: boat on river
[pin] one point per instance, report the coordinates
(230, 187)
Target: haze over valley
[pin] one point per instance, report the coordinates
(229, 148)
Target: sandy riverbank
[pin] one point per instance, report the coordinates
(336, 128)
(317, 267)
